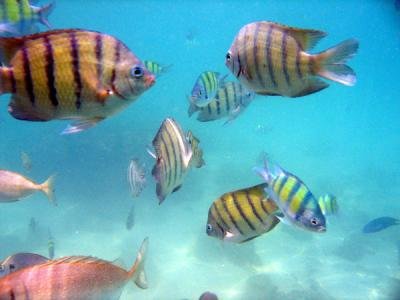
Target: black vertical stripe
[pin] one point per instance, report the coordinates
(209, 108)
(268, 49)
(226, 95)
(253, 208)
(265, 209)
(117, 58)
(76, 69)
(284, 56)
(255, 52)
(298, 61)
(241, 212)
(283, 182)
(28, 75)
(174, 154)
(99, 59)
(12, 81)
(219, 216)
(218, 104)
(307, 198)
(230, 215)
(51, 80)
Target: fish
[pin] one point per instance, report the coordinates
(242, 215)
(19, 261)
(50, 245)
(328, 205)
(70, 74)
(156, 68)
(205, 88)
(14, 186)
(26, 161)
(20, 17)
(379, 224)
(208, 296)
(197, 157)
(297, 205)
(130, 220)
(74, 277)
(272, 59)
(174, 158)
(33, 224)
(231, 100)
(136, 176)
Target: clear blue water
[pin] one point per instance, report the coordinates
(343, 141)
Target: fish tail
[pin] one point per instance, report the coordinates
(47, 187)
(264, 171)
(44, 13)
(192, 107)
(165, 69)
(331, 63)
(137, 271)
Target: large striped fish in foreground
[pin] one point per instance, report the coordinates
(71, 74)
(19, 17)
(272, 59)
(242, 215)
(297, 205)
(74, 277)
(175, 154)
(231, 100)
(14, 186)
(205, 89)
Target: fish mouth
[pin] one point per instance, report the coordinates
(150, 80)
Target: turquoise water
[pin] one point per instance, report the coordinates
(342, 141)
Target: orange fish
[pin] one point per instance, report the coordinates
(72, 74)
(272, 59)
(74, 277)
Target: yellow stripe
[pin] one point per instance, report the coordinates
(276, 48)
(26, 10)
(276, 185)
(108, 59)
(297, 199)
(234, 211)
(287, 188)
(12, 10)
(223, 212)
(206, 82)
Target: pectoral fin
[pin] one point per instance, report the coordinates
(81, 125)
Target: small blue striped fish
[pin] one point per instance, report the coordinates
(328, 205)
(205, 88)
(19, 17)
(156, 68)
(296, 203)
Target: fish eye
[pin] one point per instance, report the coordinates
(12, 266)
(209, 228)
(137, 72)
(314, 221)
(2, 268)
(228, 56)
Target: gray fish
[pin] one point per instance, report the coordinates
(33, 226)
(51, 245)
(208, 296)
(173, 154)
(136, 176)
(231, 99)
(19, 261)
(130, 220)
(26, 161)
(379, 224)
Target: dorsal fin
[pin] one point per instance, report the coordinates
(307, 38)
(77, 259)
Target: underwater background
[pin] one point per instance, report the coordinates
(343, 141)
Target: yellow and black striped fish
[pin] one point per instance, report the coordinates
(297, 205)
(328, 205)
(70, 74)
(242, 215)
(19, 17)
(205, 88)
(156, 68)
(231, 99)
(173, 154)
(271, 59)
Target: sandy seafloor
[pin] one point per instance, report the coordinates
(343, 141)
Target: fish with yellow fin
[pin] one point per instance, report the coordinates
(70, 74)
(74, 277)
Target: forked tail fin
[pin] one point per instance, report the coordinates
(137, 271)
(332, 63)
(47, 187)
(44, 12)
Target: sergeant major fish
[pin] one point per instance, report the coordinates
(328, 205)
(297, 205)
(14, 186)
(205, 89)
(71, 74)
(174, 158)
(242, 215)
(156, 68)
(19, 17)
(271, 59)
(74, 277)
(231, 99)
(19, 261)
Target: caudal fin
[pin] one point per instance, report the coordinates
(192, 107)
(44, 13)
(137, 271)
(47, 187)
(331, 63)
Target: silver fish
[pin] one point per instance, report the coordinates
(136, 177)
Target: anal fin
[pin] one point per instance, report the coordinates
(81, 125)
(26, 112)
(314, 85)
